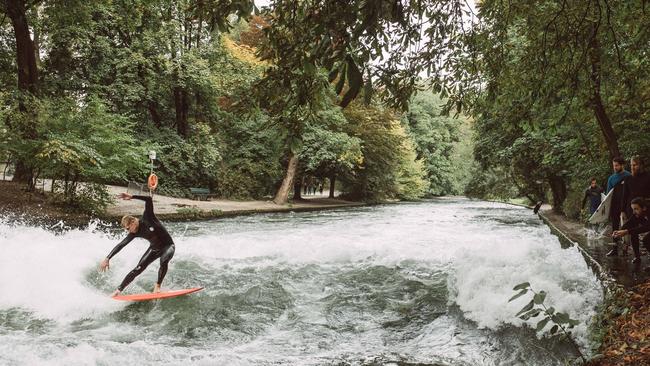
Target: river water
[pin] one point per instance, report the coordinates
(412, 283)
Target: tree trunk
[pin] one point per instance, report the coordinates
(182, 108)
(27, 80)
(37, 41)
(297, 186)
(282, 196)
(332, 184)
(558, 188)
(25, 52)
(151, 104)
(155, 116)
(23, 173)
(597, 105)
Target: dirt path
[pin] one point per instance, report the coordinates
(14, 200)
(171, 208)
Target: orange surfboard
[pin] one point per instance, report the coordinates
(159, 295)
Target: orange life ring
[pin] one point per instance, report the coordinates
(152, 182)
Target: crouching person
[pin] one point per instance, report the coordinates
(636, 226)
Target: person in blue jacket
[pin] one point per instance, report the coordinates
(616, 208)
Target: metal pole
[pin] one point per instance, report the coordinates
(152, 157)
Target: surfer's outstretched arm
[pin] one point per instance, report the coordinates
(148, 206)
(105, 263)
(120, 245)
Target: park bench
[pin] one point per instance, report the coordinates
(202, 194)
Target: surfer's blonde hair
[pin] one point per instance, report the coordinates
(127, 220)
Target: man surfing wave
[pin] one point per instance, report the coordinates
(150, 228)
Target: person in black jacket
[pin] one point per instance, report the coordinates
(592, 193)
(635, 185)
(638, 224)
(150, 228)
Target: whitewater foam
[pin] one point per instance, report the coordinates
(484, 249)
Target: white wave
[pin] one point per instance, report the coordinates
(484, 278)
(45, 273)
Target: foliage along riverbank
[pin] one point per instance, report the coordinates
(43, 209)
(555, 92)
(624, 327)
(136, 83)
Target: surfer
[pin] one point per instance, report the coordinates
(638, 224)
(149, 227)
(618, 164)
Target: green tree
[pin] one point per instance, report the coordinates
(24, 125)
(327, 150)
(84, 145)
(390, 168)
(434, 136)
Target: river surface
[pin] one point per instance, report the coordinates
(412, 283)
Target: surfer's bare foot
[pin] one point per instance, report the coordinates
(115, 293)
(156, 288)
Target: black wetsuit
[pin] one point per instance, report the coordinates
(593, 194)
(161, 244)
(635, 227)
(634, 186)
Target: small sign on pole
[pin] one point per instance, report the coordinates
(152, 182)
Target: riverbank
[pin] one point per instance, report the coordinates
(179, 209)
(38, 208)
(623, 325)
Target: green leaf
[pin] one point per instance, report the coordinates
(341, 83)
(333, 74)
(534, 313)
(531, 314)
(561, 318)
(554, 329)
(539, 297)
(308, 67)
(542, 323)
(526, 308)
(521, 286)
(355, 80)
(295, 145)
(521, 293)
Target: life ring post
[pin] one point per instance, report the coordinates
(152, 182)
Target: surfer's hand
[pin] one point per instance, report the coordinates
(104, 265)
(619, 233)
(125, 196)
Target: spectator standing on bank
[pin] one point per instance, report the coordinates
(635, 185)
(616, 208)
(592, 193)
